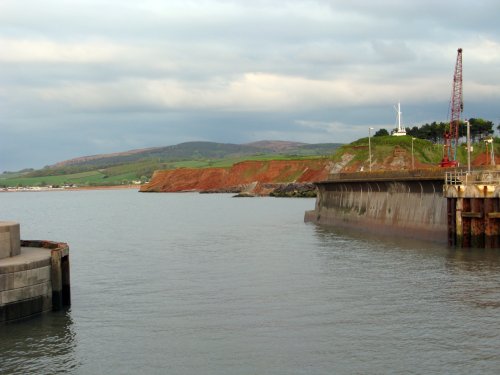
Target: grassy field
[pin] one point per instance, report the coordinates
(93, 178)
(423, 150)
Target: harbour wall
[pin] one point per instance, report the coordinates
(34, 280)
(402, 205)
(473, 208)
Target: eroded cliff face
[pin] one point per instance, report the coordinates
(242, 175)
(261, 177)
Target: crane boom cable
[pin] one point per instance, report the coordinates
(456, 107)
(456, 102)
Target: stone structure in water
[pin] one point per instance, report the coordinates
(398, 204)
(457, 207)
(473, 209)
(34, 275)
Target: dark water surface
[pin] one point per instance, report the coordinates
(208, 284)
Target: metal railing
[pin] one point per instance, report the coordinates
(472, 178)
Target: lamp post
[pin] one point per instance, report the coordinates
(491, 152)
(412, 158)
(370, 146)
(468, 146)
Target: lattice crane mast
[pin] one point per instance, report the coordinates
(456, 108)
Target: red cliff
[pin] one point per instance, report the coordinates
(240, 174)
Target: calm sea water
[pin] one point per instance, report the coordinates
(208, 284)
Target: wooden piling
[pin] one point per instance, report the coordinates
(66, 285)
(489, 224)
(477, 223)
(466, 223)
(452, 221)
(474, 204)
(56, 276)
(494, 224)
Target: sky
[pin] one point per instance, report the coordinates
(85, 77)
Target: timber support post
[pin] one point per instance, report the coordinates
(473, 208)
(60, 276)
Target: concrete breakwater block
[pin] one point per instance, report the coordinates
(25, 284)
(35, 281)
(10, 239)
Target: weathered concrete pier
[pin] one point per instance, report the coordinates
(473, 208)
(455, 207)
(34, 275)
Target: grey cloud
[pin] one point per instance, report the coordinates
(390, 52)
(104, 76)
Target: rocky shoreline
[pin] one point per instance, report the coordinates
(295, 190)
(285, 190)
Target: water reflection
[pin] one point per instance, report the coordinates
(377, 242)
(473, 260)
(459, 277)
(246, 287)
(474, 276)
(44, 344)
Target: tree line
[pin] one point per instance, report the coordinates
(479, 129)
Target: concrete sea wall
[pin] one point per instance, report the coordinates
(25, 285)
(411, 207)
(35, 280)
(10, 244)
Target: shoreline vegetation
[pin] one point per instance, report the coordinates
(68, 188)
(274, 168)
(290, 190)
(138, 166)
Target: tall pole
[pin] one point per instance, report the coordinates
(399, 117)
(412, 158)
(486, 151)
(468, 146)
(370, 146)
(492, 151)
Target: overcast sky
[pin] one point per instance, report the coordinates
(85, 77)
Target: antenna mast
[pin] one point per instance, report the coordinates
(400, 130)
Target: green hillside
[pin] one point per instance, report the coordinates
(425, 153)
(139, 165)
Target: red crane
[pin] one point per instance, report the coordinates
(456, 108)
